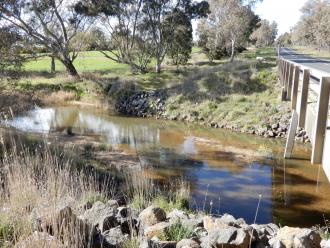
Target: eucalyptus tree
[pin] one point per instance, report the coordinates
(127, 40)
(139, 30)
(52, 24)
(227, 27)
(313, 27)
(181, 43)
(10, 49)
(265, 34)
(160, 16)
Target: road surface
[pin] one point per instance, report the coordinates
(313, 63)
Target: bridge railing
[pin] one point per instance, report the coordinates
(298, 83)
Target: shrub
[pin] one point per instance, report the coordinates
(177, 232)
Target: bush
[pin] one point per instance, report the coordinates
(177, 232)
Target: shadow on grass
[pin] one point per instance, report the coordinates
(216, 82)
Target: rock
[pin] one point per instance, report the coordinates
(60, 220)
(230, 220)
(161, 244)
(186, 220)
(156, 230)
(275, 243)
(275, 126)
(152, 215)
(262, 233)
(307, 238)
(212, 224)
(45, 216)
(230, 237)
(269, 134)
(269, 229)
(187, 243)
(325, 243)
(297, 238)
(122, 212)
(39, 239)
(113, 238)
(128, 225)
(200, 232)
(192, 222)
(115, 203)
(101, 216)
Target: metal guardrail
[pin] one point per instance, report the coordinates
(293, 76)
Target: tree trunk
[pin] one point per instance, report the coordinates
(158, 65)
(71, 70)
(232, 51)
(52, 66)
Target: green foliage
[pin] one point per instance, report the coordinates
(10, 50)
(66, 86)
(103, 147)
(227, 31)
(265, 34)
(6, 232)
(169, 204)
(139, 202)
(181, 38)
(134, 242)
(177, 232)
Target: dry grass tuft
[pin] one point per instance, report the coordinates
(59, 97)
(40, 182)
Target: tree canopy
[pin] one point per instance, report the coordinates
(139, 30)
(227, 27)
(52, 24)
(313, 27)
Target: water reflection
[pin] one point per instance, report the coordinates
(230, 170)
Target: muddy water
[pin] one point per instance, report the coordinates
(227, 172)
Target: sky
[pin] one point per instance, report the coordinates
(285, 12)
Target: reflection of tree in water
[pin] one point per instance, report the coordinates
(65, 119)
(114, 130)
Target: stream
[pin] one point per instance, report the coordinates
(227, 172)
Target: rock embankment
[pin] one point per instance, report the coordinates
(142, 104)
(114, 224)
(154, 104)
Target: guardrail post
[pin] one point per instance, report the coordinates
(283, 71)
(321, 120)
(294, 92)
(289, 88)
(279, 71)
(291, 135)
(304, 98)
(285, 80)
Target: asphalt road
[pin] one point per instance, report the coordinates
(313, 63)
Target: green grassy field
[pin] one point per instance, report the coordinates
(90, 61)
(94, 64)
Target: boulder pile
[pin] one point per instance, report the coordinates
(142, 104)
(113, 224)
